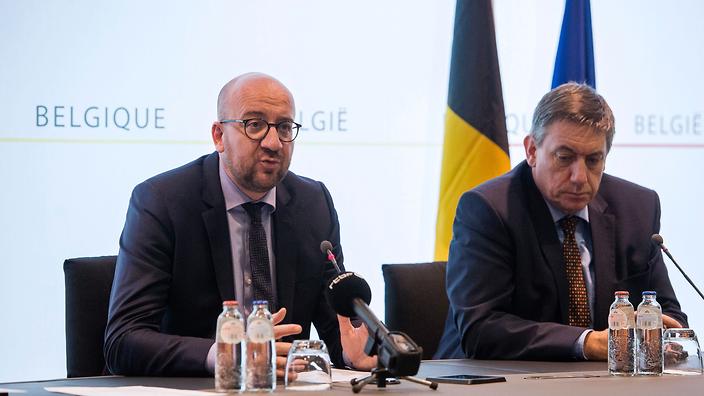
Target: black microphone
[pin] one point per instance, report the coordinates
(326, 249)
(344, 288)
(657, 239)
(349, 295)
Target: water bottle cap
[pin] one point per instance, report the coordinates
(621, 293)
(229, 303)
(649, 293)
(260, 302)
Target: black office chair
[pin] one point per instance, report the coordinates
(416, 302)
(88, 283)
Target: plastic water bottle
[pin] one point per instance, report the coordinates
(261, 350)
(649, 355)
(622, 346)
(230, 341)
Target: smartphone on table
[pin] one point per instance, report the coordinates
(467, 379)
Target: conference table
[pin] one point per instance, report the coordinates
(525, 378)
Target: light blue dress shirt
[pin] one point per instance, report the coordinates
(238, 223)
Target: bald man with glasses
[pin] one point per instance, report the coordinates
(234, 224)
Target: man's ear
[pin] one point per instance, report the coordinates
(530, 147)
(216, 132)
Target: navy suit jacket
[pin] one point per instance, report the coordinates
(506, 280)
(174, 269)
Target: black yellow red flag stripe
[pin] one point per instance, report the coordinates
(475, 148)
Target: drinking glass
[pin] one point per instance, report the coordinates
(308, 366)
(681, 352)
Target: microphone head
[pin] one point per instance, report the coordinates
(657, 239)
(325, 246)
(343, 289)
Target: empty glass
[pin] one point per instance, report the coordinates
(681, 352)
(308, 366)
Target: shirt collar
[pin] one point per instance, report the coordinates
(557, 214)
(234, 197)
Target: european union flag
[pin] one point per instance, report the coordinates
(575, 53)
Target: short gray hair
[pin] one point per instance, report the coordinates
(578, 103)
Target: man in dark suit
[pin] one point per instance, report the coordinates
(185, 246)
(522, 284)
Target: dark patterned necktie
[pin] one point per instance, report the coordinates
(259, 254)
(578, 309)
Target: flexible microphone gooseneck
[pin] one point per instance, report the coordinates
(657, 239)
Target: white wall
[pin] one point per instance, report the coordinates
(380, 67)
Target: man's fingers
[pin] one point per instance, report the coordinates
(280, 362)
(278, 316)
(669, 322)
(346, 327)
(282, 348)
(345, 324)
(286, 330)
(280, 366)
(595, 345)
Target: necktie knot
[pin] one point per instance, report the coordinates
(254, 210)
(569, 224)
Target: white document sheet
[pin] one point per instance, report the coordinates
(124, 391)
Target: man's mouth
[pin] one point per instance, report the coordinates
(270, 163)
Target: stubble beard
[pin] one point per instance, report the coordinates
(260, 180)
(262, 184)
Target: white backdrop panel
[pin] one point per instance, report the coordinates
(370, 81)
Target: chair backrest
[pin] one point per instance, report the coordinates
(88, 282)
(416, 302)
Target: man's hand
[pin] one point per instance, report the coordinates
(353, 341)
(669, 323)
(283, 347)
(596, 345)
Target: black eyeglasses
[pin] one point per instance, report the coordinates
(257, 129)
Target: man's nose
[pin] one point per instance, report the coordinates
(271, 140)
(578, 172)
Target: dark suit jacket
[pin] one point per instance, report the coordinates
(506, 280)
(175, 268)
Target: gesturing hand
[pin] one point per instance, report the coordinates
(353, 341)
(282, 348)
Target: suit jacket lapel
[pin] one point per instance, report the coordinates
(215, 221)
(285, 249)
(603, 245)
(548, 240)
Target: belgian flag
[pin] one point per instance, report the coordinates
(476, 144)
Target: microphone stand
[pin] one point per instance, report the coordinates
(397, 354)
(380, 374)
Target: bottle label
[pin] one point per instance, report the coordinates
(260, 330)
(647, 319)
(618, 320)
(232, 332)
